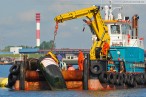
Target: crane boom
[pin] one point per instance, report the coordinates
(101, 46)
(76, 14)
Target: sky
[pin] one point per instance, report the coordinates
(18, 24)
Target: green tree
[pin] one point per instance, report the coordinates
(47, 45)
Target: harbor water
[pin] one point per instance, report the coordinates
(5, 92)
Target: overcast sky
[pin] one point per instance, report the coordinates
(18, 25)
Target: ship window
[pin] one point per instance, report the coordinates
(125, 29)
(68, 57)
(115, 29)
(71, 57)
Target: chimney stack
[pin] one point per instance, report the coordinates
(37, 29)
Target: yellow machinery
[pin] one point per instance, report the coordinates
(100, 47)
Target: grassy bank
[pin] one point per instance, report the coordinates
(20, 55)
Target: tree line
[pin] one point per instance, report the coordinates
(45, 45)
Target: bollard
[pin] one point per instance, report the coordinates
(86, 72)
(22, 73)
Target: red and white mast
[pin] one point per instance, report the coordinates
(37, 29)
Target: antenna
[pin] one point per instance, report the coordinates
(111, 9)
(110, 2)
(101, 3)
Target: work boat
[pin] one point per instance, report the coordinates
(125, 44)
(115, 61)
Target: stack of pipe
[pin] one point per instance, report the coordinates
(30, 77)
(33, 79)
(73, 79)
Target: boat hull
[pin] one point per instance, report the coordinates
(74, 81)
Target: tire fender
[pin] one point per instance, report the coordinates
(130, 79)
(111, 78)
(121, 78)
(96, 68)
(15, 69)
(11, 79)
(116, 78)
(103, 77)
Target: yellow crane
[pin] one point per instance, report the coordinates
(100, 47)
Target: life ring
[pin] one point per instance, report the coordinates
(80, 60)
(11, 79)
(111, 78)
(15, 69)
(96, 68)
(103, 77)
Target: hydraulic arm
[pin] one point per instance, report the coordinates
(100, 47)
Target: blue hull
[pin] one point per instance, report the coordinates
(132, 56)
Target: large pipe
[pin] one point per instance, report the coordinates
(68, 75)
(135, 26)
(32, 85)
